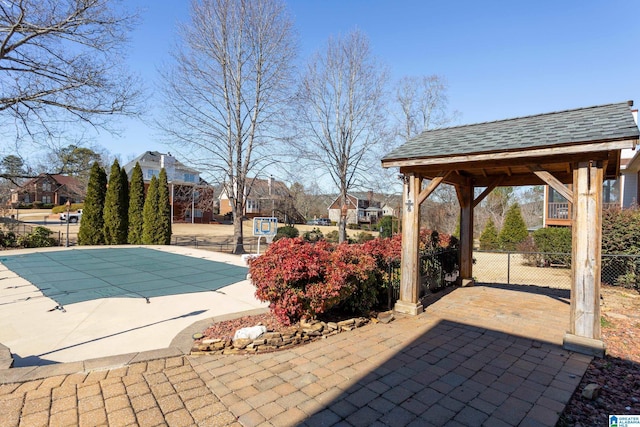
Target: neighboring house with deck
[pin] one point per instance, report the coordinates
(264, 198)
(192, 199)
(359, 208)
(622, 192)
(49, 189)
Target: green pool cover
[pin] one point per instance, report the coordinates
(80, 275)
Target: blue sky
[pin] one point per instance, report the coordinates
(502, 59)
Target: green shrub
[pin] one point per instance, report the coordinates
(353, 226)
(489, 238)
(91, 226)
(287, 231)
(151, 219)
(621, 235)
(39, 238)
(136, 206)
(8, 239)
(514, 230)
(164, 207)
(363, 237)
(385, 226)
(332, 236)
(314, 235)
(116, 207)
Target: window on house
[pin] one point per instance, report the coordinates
(189, 177)
(197, 213)
(150, 173)
(27, 198)
(46, 186)
(46, 199)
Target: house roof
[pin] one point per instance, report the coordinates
(598, 123)
(259, 188)
(152, 158)
(71, 183)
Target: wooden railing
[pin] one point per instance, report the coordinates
(562, 210)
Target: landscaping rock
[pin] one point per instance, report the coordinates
(591, 391)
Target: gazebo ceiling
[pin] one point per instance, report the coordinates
(511, 150)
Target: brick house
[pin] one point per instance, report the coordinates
(49, 189)
(192, 199)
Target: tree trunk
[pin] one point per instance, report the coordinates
(238, 244)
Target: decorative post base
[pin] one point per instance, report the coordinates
(410, 308)
(584, 345)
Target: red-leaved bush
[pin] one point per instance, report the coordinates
(302, 279)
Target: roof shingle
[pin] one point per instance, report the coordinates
(599, 123)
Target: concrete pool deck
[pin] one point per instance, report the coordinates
(38, 333)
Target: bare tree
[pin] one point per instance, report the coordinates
(61, 64)
(341, 111)
(422, 105)
(228, 88)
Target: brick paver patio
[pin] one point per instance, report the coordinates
(463, 362)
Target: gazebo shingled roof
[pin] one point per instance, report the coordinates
(503, 147)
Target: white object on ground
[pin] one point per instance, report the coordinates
(251, 333)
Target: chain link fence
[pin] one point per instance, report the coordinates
(250, 244)
(550, 269)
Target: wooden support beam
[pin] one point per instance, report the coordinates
(435, 182)
(586, 244)
(410, 263)
(488, 190)
(465, 197)
(553, 182)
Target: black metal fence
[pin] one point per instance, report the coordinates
(439, 268)
(550, 269)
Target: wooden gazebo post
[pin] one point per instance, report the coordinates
(584, 327)
(465, 199)
(410, 265)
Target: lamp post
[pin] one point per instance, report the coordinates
(68, 205)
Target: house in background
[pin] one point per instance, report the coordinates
(623, 192)
(49, 189)
(360, 208)
(192, 199)
(265, 198)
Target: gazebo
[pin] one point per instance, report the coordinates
(579, 147)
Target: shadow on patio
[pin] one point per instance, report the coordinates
(492, 356)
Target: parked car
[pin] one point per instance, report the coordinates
(73, 216)
(319, 221)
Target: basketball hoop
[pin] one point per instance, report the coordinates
(266, 227)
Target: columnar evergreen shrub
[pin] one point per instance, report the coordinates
(151, 220)
(136, 206)
(514, 229)
(164, 209)
(91, 226)
(116, 206)
(489, 238)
